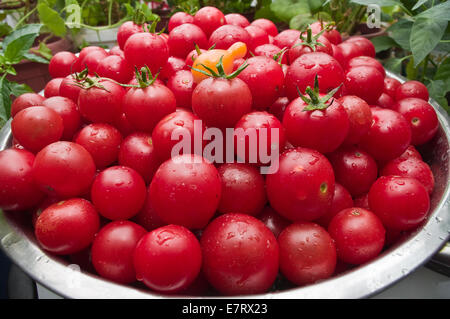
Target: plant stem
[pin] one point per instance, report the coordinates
(110, 12)
(24, 18)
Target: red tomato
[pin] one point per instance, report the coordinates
(410, 167)
(307, 253)
(209, 19)
(385, 101)
(411, 151)
(266, 25)
(179, 18)
(342, 199)
(126, 30)
(412, 89)
(301, 47)
(68, 110)
(147, 217)
(236, 19)
(286, 38)
(37, 126)
(390, 86)
(172, 66)
(182, 85)
(67, 227)
(279, 107)
(303, 187)
(240, 255)
(347, 50)
(118, 192)
(116, 68)
(137, 152)
(364, 81)
(79, 64)
(302, 72)
(362, 201)
(52, 87)
(366, 61)
(270, 51)
(19, 191)
(69, 88)
(355, 169)
(274, 221)
(401, 203)
(332, 35)
(422, 119)
(92, 60)
(102, 141)
(257, 37)
(358, 234)
(226, 35)
(359, 116)
(113, 248)
(61, 64)
(243, 189)
(180, 184)
(183, 39)
(26, 100)
(116, 50)
(64, 169)
(388, 137)
(159, 255)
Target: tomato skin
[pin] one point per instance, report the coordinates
(411, 151)
(362, 201)
(80, 65)
(64, 169)
(414, 89)
(286, 38)
(236, 19)
(366, 61)
(226, 35)
(274, 221)
(240, 255)
(26, 100)
(172, 66)
(137, 152)
(116, 50)
(364, 45)
(411, 167)
(179, 18)
(366, 82)
(126, 30)
(113, 248)
(257, 37)
(182, 182)
(265, 79)
(390, 86)
(298, 49)
(349, 49)
(323, 130)
(182, 85)
(209, 19)
(385, 101)
(233, 96)
(67, 227)
(342, 199)
(147, 217)
(98, 105)
(279, 107)
(402, 203)
(359, 116)
(421, 117)
(243, 189)
(333, 35)
(355, 169)
(183, 38)
(303, 187)
(93, 60)
(68, 88)
(68, 111)
(52, 87)
(388, 137)
(116, 68)
(307, 253)
(159, 254)
(269, 50)
(19, 191)
(190, 58)
(358, 234)
(146, 49)
(144, 108)
(61, 64)
(36, 127)
(303, 70)
(266, 25)
(118, 192)
(102, 141)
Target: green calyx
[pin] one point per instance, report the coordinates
(145, 77)
(311, 40)
(220, 70)
(279, 56)
(315, 102)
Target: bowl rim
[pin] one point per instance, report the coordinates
(68, 281)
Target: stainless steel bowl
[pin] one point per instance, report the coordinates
(18, 242)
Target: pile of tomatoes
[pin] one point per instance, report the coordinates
(91, 159)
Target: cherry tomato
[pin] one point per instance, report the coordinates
(258, 37)
(390, 86)
(270, 51)
(266, 25)
(52, 87)
(92, 60)
(68, 110)
(236, 19)
(126, 30)
(182, 85)
(226, 35)
(347, 50)
(118, 192)
(37, 126)
(401, 203)
(67, 227)
(70, 88)
(412, 89)
(286, 38)
(240, 255)
(358, 234)
(116, 50)
(274, 221)
(159, 254)
(332, 35)
(359, 116)
(342, 199)
(180, 184)
(113, 248)
(172, 66)
(137, 152)
(79, 64)
(411, 151)
(366, 82)
(19, 191)
(307, 253)
(116, 68)
(300, 47)
(182, 39)
(303, 187)
(385, 101)
(362, 201)
(209, 19)
(61, 64)
(388, 137)
(421, 116)
(179, 18)
(147, 217)
(26, 100)
(366, 61)
(102, 141)
(64, 169)
(279, 107)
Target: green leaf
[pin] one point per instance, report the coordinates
(381, 3)
(315, 5)
(51, 19)
(425, 35)
(285, 10)
(16, 49)
(43, 51)
(23, 31)
(418, 4)
(440, 12)
(35, 58)
(301, 21)
(394, 65)
(382, 43)
(5, 99)
(17, 89)
(443, 71)
(5, 29)
(401, 32)
(438, 89)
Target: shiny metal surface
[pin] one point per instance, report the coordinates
(18, 242)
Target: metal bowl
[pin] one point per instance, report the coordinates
(414, 250)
